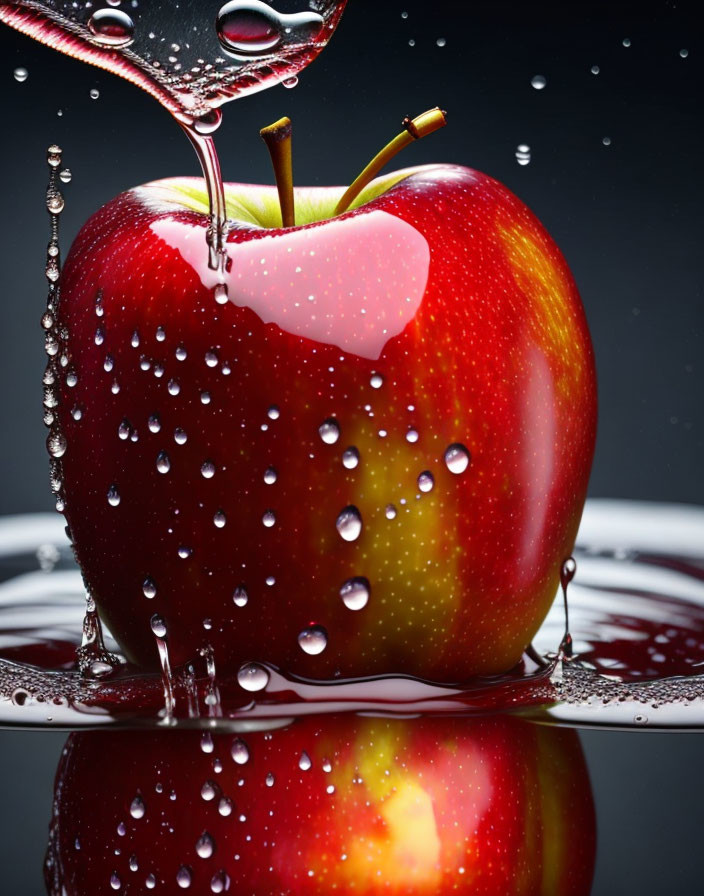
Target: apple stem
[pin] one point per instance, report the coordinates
(414, 129)
(278, 141)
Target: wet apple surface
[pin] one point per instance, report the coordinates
(398, 402)
(325, 806)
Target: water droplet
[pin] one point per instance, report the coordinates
(270, 476)
(253, 677)
(290, 83)
(53, 155)
(211, 358)
(55, 204)
(174, 387)
(160, 334)
(327, 766)
(184, 552)
(163, 463)
(150, 882)
(304, 763)
(149, 588)
(390, 512)
(457, 458)
(220, 882)
(684, 53)
(595, 69)
(115, 881)
(137, 808)
(56, 443)
(134, 864)
(426, 481)
(273, 413)
(208, 791)
(313, 640)
(205, 397)
(240, 751)
(269, 519)
(270, 780)
(606, 141)
(65, 176)
(121, 829)
(154, 423)
(412, 436)
(350, 459)
(94, 94)
(225, 807)
(441, 42)
(626, 42)
(113, 496)
(329, 431)
(111, 28)
(355, 593)
(349, 523)
(220, 293)
(250, 28)
(183, 877)
(377, 381)
(206, 743)
(220, 520)
(208, 469)
(270, 580)
(180, 436)
(523, 155)
(158, 626)
(181, 353)
(240, 597)
(538, 82)
(21, 74)
(134, 341)
(109, 363)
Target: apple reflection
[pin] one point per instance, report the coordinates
(324, 805)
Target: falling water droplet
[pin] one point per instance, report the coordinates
(270, 780)
(377, 381)
(457, 458)
(313, 640)
(184, 552)
(252, 677)
(183, 877)
(390, 512)
(21, 74)
(174, 387)
(290, 83)
(115, 881)
(270, 476)
(426, 481)
(595, 69)
(225, 807)
(269, 519)
(56, 443)
(207, 470)
(240, 751)
(65, 176)
(606, 141)
(180, 436)
(538, 82)
(350, 459)
(220, 882)
(220, 520)
(240, 597)
(412, 436)
(273, 413)
(329, 431)
(113, 496)
(684, 53)
(150, 881)
(220, 293)
(441, 42)
(304, 763)
(523, 155)
(208, 791)
(211, 358)
(94, 94)
(355, 593)
(111, 28)
(163, 464)
(251, 28)
(626, 42)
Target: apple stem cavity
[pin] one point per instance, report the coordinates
(278, 139)
(413, 129)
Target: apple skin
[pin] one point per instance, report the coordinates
(472, 319)
(492, 807)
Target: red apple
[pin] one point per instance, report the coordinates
(372, 459)
(495, 807)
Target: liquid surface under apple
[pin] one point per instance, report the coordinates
(636, 618)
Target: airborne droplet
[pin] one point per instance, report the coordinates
(158, 626)
(137, 807)
(240, 597)
(111, 28)
(113, 496)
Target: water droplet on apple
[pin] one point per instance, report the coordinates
(211, 358)
(160, 334)
(208, 791)
(329, 431)
(538, 82)
(349, 523)
(205, 398)
(350, 459)
(154, 423)
(137, 808)
(251, 28)
(304, 763)
(270, 476)
(174, 387)
(270, 780)
(290, 83)
(150, 881)
(144, 363)
(220, 293)
(184, 552)
(20, 74)
(115, 881)
(163, 462)
(99, 336)
(207, 470)
(181, 353)
(355, 593)
(273, 413)
(220, 520)
(113, 496)
(56, 443)
(111, 28)
(313, 640)
(327, 766)
(426, 481)
(239, 751)
(225, 807)
(240, 597)
(158, 626)
(377, 381)
(523, 154)
(124, 429)
(180, 436)
(412, 436)
(457, 458)
(149, 588)
(220, 882)
(252, 677)
(270, 581)
(134, 864)
(390, 512)
(183, 877)
(269, 519)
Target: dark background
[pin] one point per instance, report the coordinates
(627, 216)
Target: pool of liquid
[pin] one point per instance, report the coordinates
(636, 615)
